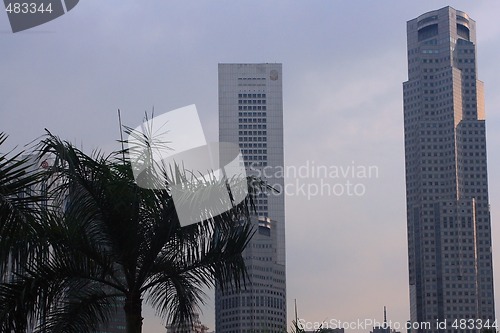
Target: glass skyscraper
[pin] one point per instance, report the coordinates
(448, 217)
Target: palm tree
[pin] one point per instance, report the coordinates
(19, 212)
(112, 241)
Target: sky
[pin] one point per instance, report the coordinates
(343, 67)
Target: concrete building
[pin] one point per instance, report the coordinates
(448, 218)
(251, 114)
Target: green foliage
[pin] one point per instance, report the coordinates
(99, 239)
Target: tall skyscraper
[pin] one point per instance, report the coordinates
(448, 218)
(251, 114)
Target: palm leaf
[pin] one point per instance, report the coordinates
(105, 238)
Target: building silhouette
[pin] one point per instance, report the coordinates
(251, 114)
(448, 218)
(196, 326)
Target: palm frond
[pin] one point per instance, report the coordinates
(21, 183)
(105, 237)
(85, 311)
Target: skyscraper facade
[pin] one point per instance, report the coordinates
(448, 218)
(117, 321)
(251, 115)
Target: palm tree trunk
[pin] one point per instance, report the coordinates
(133, 313)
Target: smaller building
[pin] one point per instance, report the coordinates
(195, 327)
(327, 330)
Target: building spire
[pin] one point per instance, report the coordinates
(385, 316)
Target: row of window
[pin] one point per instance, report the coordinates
(251, 78)
(252, 139)
(466, 60)
(252, 132)
(251, 101)
(445, 219)
(262, 246)
(234, 313)
(460, 160)
(251, 95)
(251, 84)
(252, 108)
(252, 120)
(264, 301)
(252, 114)
(255, 126)
(253, 145)
(254, 151)
(250, 291)
(254, 158)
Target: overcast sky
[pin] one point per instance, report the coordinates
(343, 67)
